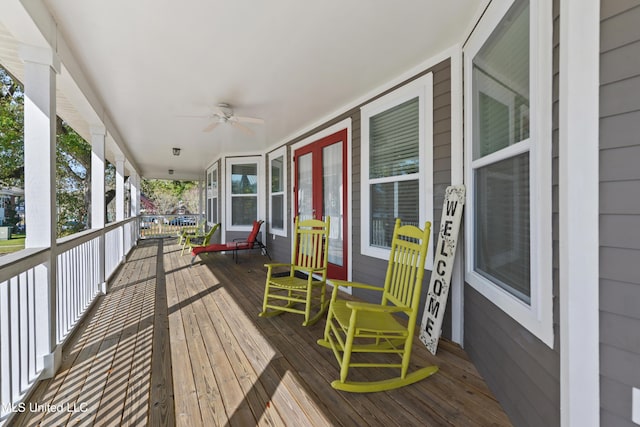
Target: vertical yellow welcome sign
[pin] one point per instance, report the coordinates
(442, 267)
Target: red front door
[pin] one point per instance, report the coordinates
(320, 188)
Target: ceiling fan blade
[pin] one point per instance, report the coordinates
(248, 120)
(211, 126)
(194, 116)
(243, 128)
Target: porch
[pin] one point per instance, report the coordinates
(171, 344)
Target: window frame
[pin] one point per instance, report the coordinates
(422, 88)
(281, 152)
(213, 194)
(258, 161)
(537, 316)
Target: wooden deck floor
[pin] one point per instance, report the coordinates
(177, 345)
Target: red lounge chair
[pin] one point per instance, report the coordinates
(251, 242)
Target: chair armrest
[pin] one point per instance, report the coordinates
(307, 269)
(358, 285)
(365, 306)
(277, 264)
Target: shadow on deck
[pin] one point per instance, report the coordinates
(177, 345)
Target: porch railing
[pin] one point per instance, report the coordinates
(153, 226)
(83, 262)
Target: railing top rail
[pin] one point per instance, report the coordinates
(69, 242)
(15, 263)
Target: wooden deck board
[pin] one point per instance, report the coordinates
(173, 345)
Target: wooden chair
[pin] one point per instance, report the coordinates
(191, 230)
(360, 327)
(307, 274)
(198, 241)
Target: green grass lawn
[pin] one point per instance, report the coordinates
(15, 244)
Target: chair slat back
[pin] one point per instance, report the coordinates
(405, 271)
(251, 239)
(311, 243)
(207, 237)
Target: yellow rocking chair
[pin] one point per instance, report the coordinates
(191, 230)
(307, 275)
(360, 327)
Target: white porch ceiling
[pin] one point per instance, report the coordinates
(292, 63)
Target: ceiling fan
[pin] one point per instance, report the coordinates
(224, 114)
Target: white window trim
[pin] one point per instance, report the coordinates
(423, 89)
(211, 173)
(281, 152)
(230, 161)
(538, 316)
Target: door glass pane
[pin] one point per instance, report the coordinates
(502, 225)
(391, 200)
(332, 198)
(305, 187)
(501, 84)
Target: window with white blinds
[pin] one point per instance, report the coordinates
(501, 190)
(395, 141)
(508, 170)
(277, 194)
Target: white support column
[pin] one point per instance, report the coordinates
(40, 67)
(457, 178)
(119, 188)
(201, 197)
(579, 212)
(135, 200)
(120, 200)
(135, 205)
(98, 208)
(98, 211)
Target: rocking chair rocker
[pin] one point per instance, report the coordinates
(309, 257)
(360, 327)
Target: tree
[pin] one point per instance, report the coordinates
(73, 180)
(168, 195)
(11, 131)
(73, 158)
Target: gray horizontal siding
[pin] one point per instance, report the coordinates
(620, 298)
(620, 332)
(622, 231)
(620, 131)
(620, 64)
(622, 28)
(611, 8)
(519, 368)
(619, 209)
(620, 197)
(620, 97)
